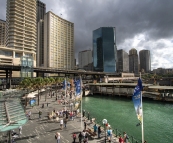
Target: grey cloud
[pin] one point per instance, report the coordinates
(130, 17)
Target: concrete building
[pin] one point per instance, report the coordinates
(41, 10)
(21, 27)
(58, 42)
(104, 50)
(145, 60)
(2, 32)
(133, 61)
(84, 58)
(123, 61)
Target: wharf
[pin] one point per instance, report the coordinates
(43, 130)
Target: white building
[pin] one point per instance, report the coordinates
(58, 42)
(84, 58)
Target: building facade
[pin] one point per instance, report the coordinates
(104, 49)
(21, 27)
(41, 10)
(145, 60)
(133, 61)
(2, 32)
(123, 61)
(84, 58)
(58, 42)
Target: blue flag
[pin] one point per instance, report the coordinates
(78, 87)
(64, 84)
(136, 97)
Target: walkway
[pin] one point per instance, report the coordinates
(43, 130)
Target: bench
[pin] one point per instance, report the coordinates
(91, 132)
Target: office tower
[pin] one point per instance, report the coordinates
(84, 58)
(145, 60)
(21, 27)
(2, 32)
(41, 10)
(58, 42)
(133, 61)
(123, 61)
(104, 49)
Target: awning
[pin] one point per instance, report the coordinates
(12, 115)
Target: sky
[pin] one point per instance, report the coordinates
(140, 24)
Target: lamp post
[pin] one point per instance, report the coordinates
(105, 122)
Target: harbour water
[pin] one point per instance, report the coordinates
(120, 113)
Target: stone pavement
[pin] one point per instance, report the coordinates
(43, 130)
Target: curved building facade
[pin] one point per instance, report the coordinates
(133, 61)
(21, 27)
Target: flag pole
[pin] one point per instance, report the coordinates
(81, 99)
(142, 122)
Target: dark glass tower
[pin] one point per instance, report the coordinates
(41, 10)
(104, 49)
(145, 60)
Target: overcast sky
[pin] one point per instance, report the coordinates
(140, 24)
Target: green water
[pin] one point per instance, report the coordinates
(120, 113)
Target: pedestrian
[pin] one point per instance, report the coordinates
(80, 137)
(88, 115)
(40, 113)
(29, 114)
(47, 104)
(99, 131)
(43, 105)
(20, 130)
(95, 128)
(83, 113)
(61, 123)
(65, 122)
(121, 139)
(126, 137)
(85, 139)
(74, 138)
(83, 134)
(57, 137)
(85, 125)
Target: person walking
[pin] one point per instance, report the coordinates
(83, 113)
(61, 124)
(80, 137)
(65, 122)
(95, 128)
(85, 125)
(88, 115)
(74, 138)
(29, 114)
(126, 137)
(20, 130)
(40, 113)
(121, 139)
(99, 131)
(58, 137)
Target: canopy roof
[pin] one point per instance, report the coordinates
(12, 115)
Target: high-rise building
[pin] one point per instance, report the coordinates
(58, 42)
(123, 61)
(21, 27)
(145, 60)
(2, 32)
(104, 49)
(41, 10)
(133, 61)
(84, 58)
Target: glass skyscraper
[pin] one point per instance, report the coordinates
(104, 49)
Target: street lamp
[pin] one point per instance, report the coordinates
(105, 122)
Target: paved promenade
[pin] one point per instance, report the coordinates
(43, 130)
